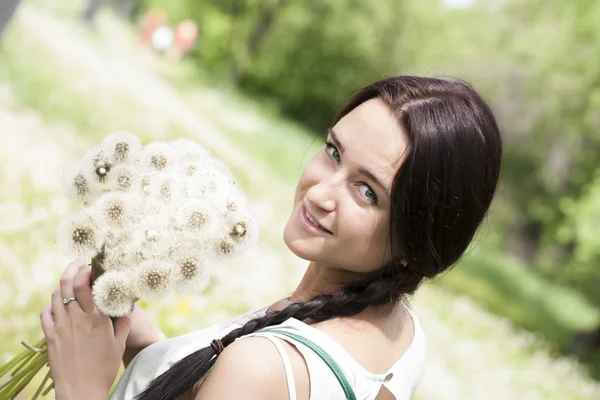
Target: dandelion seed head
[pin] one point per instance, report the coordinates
(122, 147)
(199, 220)
(83, 236)
(123, 178)
(225, 247)
(112, 294)
(166, 188)
(238, 230)
(102, 167)
(159, 161)
(152, 279)
(243, 231)
(77, 185)
(81, 186)
(116, 210)
(232, 206)
(191, 271)
(158, 157)
(79, 236)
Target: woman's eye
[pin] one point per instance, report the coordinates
(332, 151)
(368, 193)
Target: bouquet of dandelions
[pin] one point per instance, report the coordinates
(154, 219)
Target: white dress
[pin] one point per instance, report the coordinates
(401, 379)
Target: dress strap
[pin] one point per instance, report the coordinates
(287, 365)
(337, 371)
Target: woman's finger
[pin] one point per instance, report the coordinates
(47, 320)
(66, 284)
(83, 290)
(57, 306)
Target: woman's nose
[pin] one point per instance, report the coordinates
(322, 195)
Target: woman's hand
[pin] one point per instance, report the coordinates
(84, 347)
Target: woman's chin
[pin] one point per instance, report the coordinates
(299, 245)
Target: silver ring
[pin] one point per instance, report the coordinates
(67, 301)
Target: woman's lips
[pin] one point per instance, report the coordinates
(313, 227)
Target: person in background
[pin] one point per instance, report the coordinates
(186, 34)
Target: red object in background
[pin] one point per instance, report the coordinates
(151, 21)
(186, 33)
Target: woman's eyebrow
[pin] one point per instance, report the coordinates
(372, 177)
(361, 169)
(335, 140)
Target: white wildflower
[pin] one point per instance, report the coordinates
(190, 270)
(112, 294)
(122, 147)
(116, 210)
(152, 279)
(158, 157)
(79, 236)
(124, 178)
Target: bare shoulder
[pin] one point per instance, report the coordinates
(249, 368)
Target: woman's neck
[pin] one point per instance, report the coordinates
(322, 279)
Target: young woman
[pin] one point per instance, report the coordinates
(396, 195)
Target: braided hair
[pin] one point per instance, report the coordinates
(440, 196)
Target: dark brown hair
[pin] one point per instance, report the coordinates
(440, 196)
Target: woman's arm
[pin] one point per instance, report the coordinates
(143, 333)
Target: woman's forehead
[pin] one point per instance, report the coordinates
(372, 137)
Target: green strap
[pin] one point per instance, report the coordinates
(324, 356)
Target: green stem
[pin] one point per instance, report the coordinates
(48, 389)
(41, 388)
(19, 382)
(33, 362)
(14, 361)
(25, 361)
(97, 268)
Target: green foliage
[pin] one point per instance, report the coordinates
(534, 61)
(304, 54)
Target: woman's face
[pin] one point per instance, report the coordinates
(342, 203)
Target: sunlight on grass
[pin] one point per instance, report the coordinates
(63, 87)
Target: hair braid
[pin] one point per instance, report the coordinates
(351, 300)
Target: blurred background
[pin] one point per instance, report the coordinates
(257, 82)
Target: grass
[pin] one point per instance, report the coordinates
(508, 288)
(73, 103)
